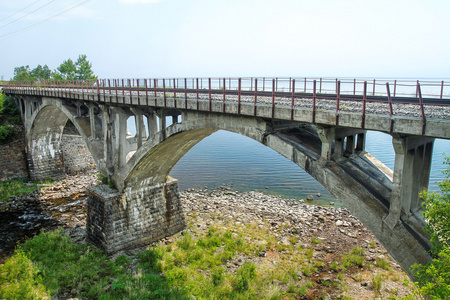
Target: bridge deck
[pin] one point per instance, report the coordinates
(403, 114)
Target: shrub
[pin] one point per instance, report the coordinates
(434, 278)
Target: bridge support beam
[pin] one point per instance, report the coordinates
(337, 142)
(413, 156)
(135, 218)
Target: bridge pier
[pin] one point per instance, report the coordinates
(412, 168)
(135, 218)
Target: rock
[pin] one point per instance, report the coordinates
(309, 198)
(339, 223)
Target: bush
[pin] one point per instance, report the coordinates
(434, 278)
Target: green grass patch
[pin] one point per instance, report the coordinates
(50, 264)
(17, 187)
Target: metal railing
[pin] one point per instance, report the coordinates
(415, 92)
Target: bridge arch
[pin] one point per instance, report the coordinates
(301, 144)
(44, 131)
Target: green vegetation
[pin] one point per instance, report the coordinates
(17, 187)
(9, 116)
(434, 278)
(51, 264)
(68, 70)
(216, 264)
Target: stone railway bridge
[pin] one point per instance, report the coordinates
(321, 137)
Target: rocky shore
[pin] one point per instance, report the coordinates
(330, 232)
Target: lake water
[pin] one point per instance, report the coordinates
(226, 158)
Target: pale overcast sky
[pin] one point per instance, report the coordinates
(190, 38)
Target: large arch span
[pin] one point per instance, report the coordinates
(354, 179)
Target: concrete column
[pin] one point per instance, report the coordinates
(360, 142)
(91, 119)
(411, 174)
(426, 169)
(338, 148)
(350, 145)
(140, 127)
(152, 123)
(162, 124)
(119, 119)
(326, 136)
(107, 130)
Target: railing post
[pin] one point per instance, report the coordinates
(273, 97)
(164, 92)
(390, 107)
(256, 96)
(320, 85)
(155, 85)
(442, 89)
(424, 121)
(417, 88)
(209, 92)
(338, 92)
(373, 94)
(98, 89)
(239, 96)
(363, 121)
(185, 93)
(293, 96)
(175, 93)
(314, 102)
(224, 89)
(138, 94)
(146, 91)
(395, 87)
(304, 89)
(354, 86)
(196, 89)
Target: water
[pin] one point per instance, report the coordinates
(226, 158)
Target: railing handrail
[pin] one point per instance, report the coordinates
(438, 89)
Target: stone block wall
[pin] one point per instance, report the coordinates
(13, 160)
(135, 218)
(76, 156)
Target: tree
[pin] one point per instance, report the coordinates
(22, 73)
(81, 69)
(434, 278)
(25, 73)
(41, 73)
(84, 68)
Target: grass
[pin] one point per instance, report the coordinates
(195, 266)
(51, 264)
(18, 187)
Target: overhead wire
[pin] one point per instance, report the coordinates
(39, 22)
(19, 11)
(26, 15)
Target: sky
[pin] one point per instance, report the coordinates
(230, 38)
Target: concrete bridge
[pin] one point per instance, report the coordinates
(323, 131)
